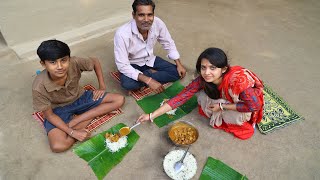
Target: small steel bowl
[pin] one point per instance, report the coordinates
(178, 125)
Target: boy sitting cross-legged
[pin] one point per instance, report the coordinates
(57, 93)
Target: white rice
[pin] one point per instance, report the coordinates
(172, 112)
(189, 163)
(116, 146)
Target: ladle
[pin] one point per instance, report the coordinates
(126, 130)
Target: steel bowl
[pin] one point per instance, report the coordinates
(183, 133)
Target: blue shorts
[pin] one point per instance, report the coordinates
(80, 106)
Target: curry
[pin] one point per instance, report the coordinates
(183, 133)
(124, 131)
(112, 137)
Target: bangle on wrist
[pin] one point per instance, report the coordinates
(148, 81)
(220, 105)
(150, 117)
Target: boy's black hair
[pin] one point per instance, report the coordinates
(53, 50)
(142, 3)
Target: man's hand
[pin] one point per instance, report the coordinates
(181, 70)
(98, 94)
(81, 134)
(156, 86)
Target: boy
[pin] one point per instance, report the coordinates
(57, 93)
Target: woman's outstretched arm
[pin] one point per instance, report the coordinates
(150, 117)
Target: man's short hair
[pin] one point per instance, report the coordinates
(142, 3)
(53, 50)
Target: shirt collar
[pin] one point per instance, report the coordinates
(134, 27)
(50, 85)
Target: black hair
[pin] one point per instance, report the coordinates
(53, 50)
(217, 58)
(142, 3)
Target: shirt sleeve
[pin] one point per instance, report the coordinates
(167, 42)
(121, 56)
(250, 101)
(185, 94)
(40, 102)
(84, 64)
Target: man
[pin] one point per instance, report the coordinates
(133, 49)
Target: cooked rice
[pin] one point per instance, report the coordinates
(116, 146)
(189, 163)
(172, 112)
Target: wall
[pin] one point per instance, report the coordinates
(25, 23)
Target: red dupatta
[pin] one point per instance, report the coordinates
(236, 80)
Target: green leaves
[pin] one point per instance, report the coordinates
(151, 103)
(215, 169)
(98, 156)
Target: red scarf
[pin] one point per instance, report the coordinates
(237, 81)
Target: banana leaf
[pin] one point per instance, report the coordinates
(151, 103)
(215, 169)
(99, 158)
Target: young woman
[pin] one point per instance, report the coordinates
(231, 97)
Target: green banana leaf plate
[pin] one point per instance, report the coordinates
(215, 169)
(151, 103)
(99, 158)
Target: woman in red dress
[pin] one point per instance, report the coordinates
(231, 97)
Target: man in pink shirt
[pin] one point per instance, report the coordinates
(133, 50)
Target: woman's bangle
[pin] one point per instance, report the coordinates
(220, 105)
(150, 117)
(149, 81)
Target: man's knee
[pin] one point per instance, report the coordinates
(176, 76)
(173, 75)
(130, 85)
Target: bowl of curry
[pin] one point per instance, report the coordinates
(183, 133)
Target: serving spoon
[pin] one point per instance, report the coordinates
(178, 166)
(126, 130)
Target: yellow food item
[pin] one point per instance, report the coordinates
(183, 134)
(124, 131)
(112, 137)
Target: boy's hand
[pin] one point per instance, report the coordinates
(98, 94)
(81, 134)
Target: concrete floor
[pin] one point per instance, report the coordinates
(277, 39)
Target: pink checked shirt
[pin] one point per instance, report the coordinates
(130, 48)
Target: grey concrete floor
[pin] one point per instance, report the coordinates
(278, 40)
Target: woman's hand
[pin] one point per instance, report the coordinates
(143, 117)
(81, 134)
(214, 107)
(98, 94)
